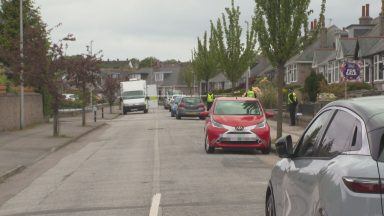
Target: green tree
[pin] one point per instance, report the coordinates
(148, 62)
(36, 43)
(204, 58)
(282, 30)
(188, 77)
(110, 88)
(234, 56)
(312, 85)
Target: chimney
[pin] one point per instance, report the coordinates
(312, 26)
(365, 19)
(315, 24)
(323, 37)
(382, 19)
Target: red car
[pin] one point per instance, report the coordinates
(237, 123)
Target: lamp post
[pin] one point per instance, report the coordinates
(21, 67)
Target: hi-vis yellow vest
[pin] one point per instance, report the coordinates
(210, 98)
(251, 94)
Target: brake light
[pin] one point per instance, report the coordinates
(364, 185)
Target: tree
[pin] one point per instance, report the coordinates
(234, 56)
(204, 59)
(84, 71)
(188, 76)
(282, 30)
(36, 43)
(148, 62)
(110, 88)
(312, 85)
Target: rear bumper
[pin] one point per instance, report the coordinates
(137, 108)
(189, 113)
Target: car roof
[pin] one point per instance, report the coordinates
(236, 99)
(370, 109)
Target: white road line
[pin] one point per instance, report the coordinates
(155, 205)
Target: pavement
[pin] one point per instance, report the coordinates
(137, 165)
(20, 149)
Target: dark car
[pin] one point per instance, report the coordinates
(336, 167)
(190, 107)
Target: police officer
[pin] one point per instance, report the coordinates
(250, 93)
(210, 99)
(292, 103)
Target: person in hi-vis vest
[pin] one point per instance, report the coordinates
(210, 99)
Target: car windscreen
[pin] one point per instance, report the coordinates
(133, 95)
(237, 108)
(177, 100)
(191, 101)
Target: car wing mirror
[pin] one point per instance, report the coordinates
(269, 115)
(204, 114)
(284, 147)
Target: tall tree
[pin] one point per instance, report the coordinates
(110, 88)
(84, 72)
(234, 56)
(148, 62)
(188, 77)
(282, 30)
(204, 58)
(36, 43)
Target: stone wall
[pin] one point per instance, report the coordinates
(10, 110)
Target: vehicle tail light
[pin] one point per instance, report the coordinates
(182, 105)
(364, 185)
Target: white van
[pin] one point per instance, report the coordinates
(134, 96)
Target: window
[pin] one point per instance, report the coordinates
(329, 72)
(322, 70)
(237, 108)
(336, 71)
(366, 72)
(135, 76)
(309, 141)
(344, 134)
(378, 67)
(291, 74)
(159, 77)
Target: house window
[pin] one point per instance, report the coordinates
(291, 74)
(336, 71)
(135, 76)
(159, 77)
(329, 72)
(366, 72)
(378, 61)
(322, 71)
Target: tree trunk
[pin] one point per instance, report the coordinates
(110, 108)
(206, 86)
(280, 85)
(83, 107)
(55, 123)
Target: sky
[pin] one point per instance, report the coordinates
(165, 29)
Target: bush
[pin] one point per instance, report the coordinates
(339, 89)
(69, 104)
(312, 86)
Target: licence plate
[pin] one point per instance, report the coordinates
(133, 110)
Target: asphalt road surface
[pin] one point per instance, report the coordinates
(136, 163)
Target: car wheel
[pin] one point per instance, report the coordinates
(267, 150)
(172, 114)
(178, 116)
(201, 118)
(270, 205)
(208, 149)
(146, 111)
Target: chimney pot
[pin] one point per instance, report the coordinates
(367, 10)
(363, 11)
(312, 25)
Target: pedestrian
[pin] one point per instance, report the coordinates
(292, 104)
(210, 99)
(250, 93)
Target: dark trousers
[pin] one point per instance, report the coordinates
(209, 105)
(292, 113)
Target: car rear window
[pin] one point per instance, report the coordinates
(237, 108)
(192, 101)
(376, 139)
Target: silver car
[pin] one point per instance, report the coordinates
(336, 167)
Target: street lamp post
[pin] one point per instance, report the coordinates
(21, 67)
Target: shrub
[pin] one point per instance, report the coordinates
(339, 89)
(312, 86)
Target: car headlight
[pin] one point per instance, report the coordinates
(262, 124)
(216, 124)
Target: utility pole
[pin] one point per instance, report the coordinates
(247, 79)
(21, 67)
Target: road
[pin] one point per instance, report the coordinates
(117, 170)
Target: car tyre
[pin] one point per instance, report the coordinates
(267, 150)
(178, 117)
(208, 149)
(146, 111)
(172, 114)
(270, 205)
(202, 118)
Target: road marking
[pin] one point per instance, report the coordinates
(155, 205)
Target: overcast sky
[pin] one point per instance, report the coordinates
(166, 29)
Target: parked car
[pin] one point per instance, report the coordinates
(237, 123)
(336, 166)
(70, 97)
(174, 105)
(190, 107)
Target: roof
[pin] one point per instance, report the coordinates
(367, 45)
(322, 55)
(370, 109)
(262, 64)
(219, 78)
(348, 45)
